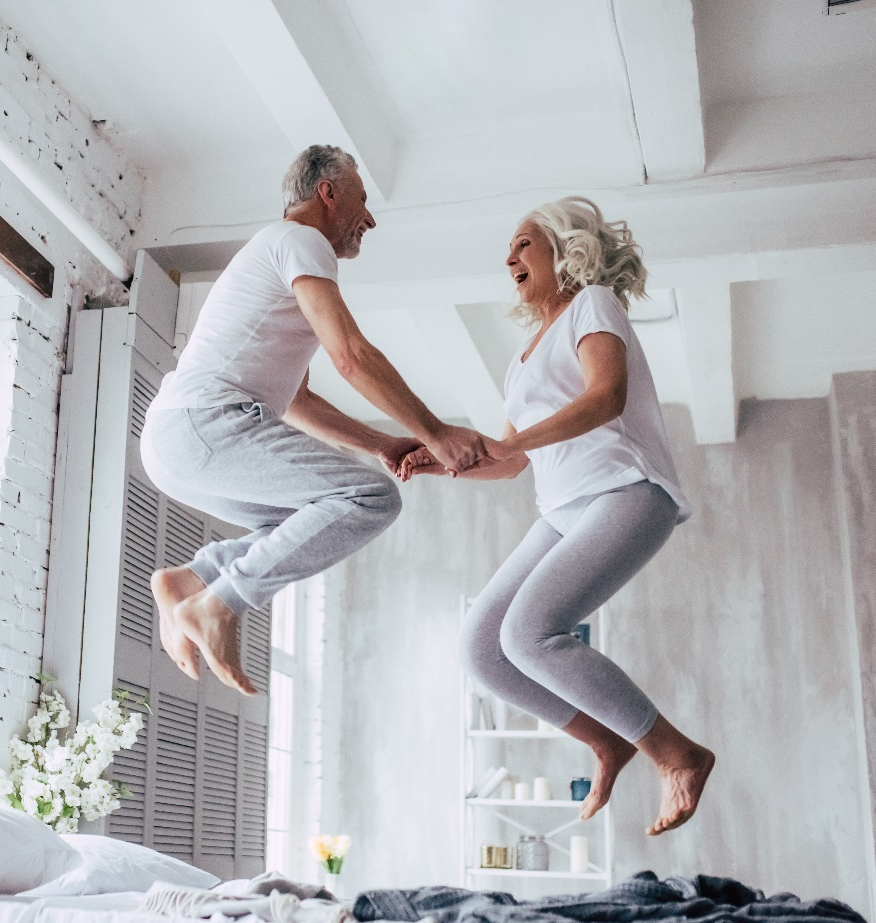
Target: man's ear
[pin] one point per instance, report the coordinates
(326, 191)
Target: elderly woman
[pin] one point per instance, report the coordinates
(583, 409)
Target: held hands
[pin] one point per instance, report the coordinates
(424, 461)
(395, 450)
(420, 461)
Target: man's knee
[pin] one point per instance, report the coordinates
(384, 501)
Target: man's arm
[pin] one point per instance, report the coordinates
(376, 379)
(318, 418)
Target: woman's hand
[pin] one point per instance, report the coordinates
(394, 449)
(420, 461)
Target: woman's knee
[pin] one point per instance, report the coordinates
(521, 643)
(478, 649)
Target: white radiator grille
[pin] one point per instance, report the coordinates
(258, 646)
(184, 535)
(129, 767)
(175, 766)
(141, 535)
(220, 784)
(142, 397)
(254, 779)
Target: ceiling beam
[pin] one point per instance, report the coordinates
(467, 374)
(705, 315)
(288, 69)
(658, 48)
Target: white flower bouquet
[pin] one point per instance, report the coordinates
(330, 850)
(60, 782)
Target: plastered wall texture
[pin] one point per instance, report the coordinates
(738, 629)
(37, 115)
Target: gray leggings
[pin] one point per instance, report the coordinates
(307, 505)
(516, 639)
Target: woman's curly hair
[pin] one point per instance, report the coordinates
(588, 250)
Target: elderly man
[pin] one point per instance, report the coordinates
(236, 432)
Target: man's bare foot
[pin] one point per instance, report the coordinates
(171, 585)
(609, 762)
(212, 626)
(681, 787)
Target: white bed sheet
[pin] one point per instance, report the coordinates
(96, 908)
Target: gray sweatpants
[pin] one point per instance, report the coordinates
(307, 505)
(516, 639)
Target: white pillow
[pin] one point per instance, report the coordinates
(109, 866)
(30, 852)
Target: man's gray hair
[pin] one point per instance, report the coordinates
(310, 167)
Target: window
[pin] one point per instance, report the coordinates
(281, 738)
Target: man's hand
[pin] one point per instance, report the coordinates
(394, 450)
(457, 448)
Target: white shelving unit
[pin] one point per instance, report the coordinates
(528, 817)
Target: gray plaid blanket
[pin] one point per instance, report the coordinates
(642, 897)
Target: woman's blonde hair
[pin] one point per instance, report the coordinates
(588, 250)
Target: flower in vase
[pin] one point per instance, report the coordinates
(330, 851)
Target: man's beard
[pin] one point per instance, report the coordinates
(352, 245)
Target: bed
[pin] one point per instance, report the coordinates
(51, 878)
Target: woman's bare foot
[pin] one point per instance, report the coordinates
(684, 767)
(171, 585)
(609, 762)
(212, 626)
(680, 790)
(612, 753)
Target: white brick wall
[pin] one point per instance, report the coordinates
(42, 121)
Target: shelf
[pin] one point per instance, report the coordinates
(544, 735)
(598, 875)
(520, 803)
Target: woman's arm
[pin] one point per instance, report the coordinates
(422, 461)
(603, 358)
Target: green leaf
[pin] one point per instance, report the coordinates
(67, 811)
(44, 807)
(44, 679)
(14, 801)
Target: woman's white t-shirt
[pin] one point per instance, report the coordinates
(632, 447)
(251, 342)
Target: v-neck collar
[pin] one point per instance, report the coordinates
(559, 317)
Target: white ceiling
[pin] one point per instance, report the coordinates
(738, 140)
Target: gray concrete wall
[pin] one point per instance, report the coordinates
(392, 779)
(738, 630)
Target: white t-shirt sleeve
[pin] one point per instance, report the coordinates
(600, 311)
(303, 251)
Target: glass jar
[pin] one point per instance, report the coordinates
(532, 854)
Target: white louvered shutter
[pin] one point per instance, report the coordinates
(198, 775)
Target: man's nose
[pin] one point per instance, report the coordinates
(369, 219)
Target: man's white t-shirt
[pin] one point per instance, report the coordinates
(251, 342)
(633, 447)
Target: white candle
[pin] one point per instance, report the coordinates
(579, 855)
(521, 792)
(507, 790)
(541, 789)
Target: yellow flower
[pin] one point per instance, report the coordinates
(330, 850)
